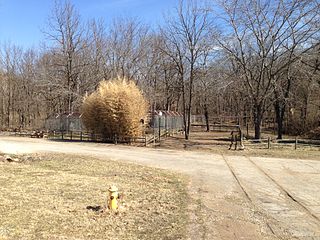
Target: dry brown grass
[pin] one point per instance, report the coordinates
(116, 108)
(64, 197)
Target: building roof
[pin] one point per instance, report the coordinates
(65, 115)
(167, 113)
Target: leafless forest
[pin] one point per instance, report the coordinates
(257, 60)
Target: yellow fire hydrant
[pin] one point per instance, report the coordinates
(113, 198)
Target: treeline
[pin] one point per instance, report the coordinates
(257, 59)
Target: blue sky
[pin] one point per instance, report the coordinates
(21, 21)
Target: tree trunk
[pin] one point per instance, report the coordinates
(280, 111)
(190, 97)
(280, 104)
(304, 112)
(185, 112)
(188, 121)
(257, 129)
(206, 116)
(8, 108)
(257, 115)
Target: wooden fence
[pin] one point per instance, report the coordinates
(293, 143)
(151, 138)
(267, 143)
(94, 137)
(218, 127)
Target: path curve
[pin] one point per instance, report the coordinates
(231, 198)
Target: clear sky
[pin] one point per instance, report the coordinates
(21, 21)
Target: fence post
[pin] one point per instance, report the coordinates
(268, 142)
(81, 136)
(295, 143)
(145, 140)
(70, 135)
(159, 129)
(62, 135)
(247, 130)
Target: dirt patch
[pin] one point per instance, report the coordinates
(63, 196)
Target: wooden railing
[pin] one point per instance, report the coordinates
(155, 139)
(93, 137)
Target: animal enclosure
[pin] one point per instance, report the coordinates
(65, 122)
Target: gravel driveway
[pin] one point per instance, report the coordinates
(233, 197)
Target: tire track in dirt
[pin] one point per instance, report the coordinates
(305, 174)
(237, 179)
(247, 195)
(285, 216)
(290, 195)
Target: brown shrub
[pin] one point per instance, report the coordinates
(314, 134)
(116, 108)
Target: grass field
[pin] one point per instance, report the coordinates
(65, 197)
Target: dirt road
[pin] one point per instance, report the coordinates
(233, 197)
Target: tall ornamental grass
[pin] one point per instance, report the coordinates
(115, 108)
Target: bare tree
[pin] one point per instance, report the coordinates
(66, 32)
(125, 48)
(303, 101)
(264, 38)
(185, 38)
(11, 57)
(96, 56)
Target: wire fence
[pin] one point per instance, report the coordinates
(65, 122)
(167, 120)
